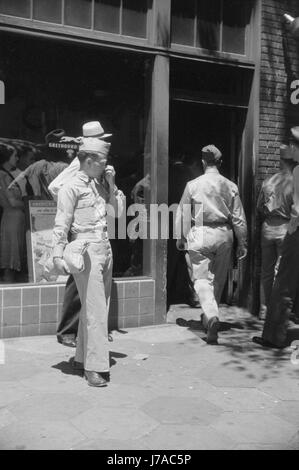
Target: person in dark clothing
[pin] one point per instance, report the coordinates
(69, 320)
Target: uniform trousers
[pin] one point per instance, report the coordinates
(284, 292)
(94, 287)
(271, 243)
(69, 320)
(210, 257)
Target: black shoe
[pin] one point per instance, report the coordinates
(67, 341)
(266, 344)
(212, 333)
(95, 379)
(182, 322)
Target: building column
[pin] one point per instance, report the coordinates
(156, 164)
(248, 292)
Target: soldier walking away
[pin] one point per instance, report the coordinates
(210, 211)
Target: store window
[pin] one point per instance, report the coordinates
(107, 15)
(208, 24)
(216, 25)
(121, 17)
(236, 16)
(127, 17)
(44, 10)
(45, 98)
(19, 8)
(78, 13)
(134, 18)
(183, 22)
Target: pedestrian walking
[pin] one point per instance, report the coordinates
(209, 212)
(284, 291)
(274, 206)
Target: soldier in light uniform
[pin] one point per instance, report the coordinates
(209, 212)
(81, 210)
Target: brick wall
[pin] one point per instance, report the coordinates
(279, 66)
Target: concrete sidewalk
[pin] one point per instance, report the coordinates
(168, 390)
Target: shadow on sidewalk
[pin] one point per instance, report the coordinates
(67, 367)
(244, 355)
(197, 325)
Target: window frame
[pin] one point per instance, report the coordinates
(195, 50)
(91, 32)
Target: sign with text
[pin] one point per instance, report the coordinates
(2, 92)
(40, 223)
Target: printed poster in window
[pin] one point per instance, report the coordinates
(41, 215)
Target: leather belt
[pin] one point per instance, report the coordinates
(91, 236)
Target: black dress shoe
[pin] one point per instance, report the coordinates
(182, 322)
(213, 328)
(95, 379)
(266, 344)
(67, 341)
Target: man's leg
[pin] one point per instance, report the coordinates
(283, 292)
(192, 295)
(94, 287)
(269, 260)
(173, 256)
(220, 267)
(204, 287)
(68, 326)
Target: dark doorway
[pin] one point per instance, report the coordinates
(192, 126)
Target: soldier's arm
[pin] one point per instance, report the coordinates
(294, 222)
(183, 216)
(239, 224)
(63, 220)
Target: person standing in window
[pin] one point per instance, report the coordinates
(12, 229)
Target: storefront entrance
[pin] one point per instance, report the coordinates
(193, 125)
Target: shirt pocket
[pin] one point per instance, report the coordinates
(85, 212)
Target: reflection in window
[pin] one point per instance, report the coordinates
(236, 15)
(78, 13)
(89, 94)
(183, 17)
(107, 15)
(208, 24)
(134, 18)
(15, 7)
(47, 11)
